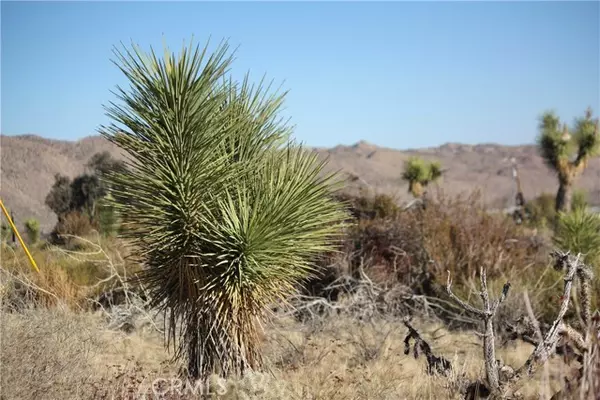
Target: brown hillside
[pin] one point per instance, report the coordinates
(28, 165)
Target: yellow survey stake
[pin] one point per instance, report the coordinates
(14, 228)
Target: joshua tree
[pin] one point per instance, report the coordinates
(226, 213)
(419, 173)
(567, 154)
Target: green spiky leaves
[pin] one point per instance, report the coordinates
(579, 232)
(420, 173)
(224, 211)
(567, 152)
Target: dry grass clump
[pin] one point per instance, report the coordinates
(73, 278)
(58, 354)
(370, 206)
(340, 354)
(46, 354)
(53, 354)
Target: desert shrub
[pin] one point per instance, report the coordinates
(86, 193)
(460, 236)
(106, 217)
(386, 248)
(72, 224)
(453, 234)
(580, 199)
(370, 206)
(60, 196)
(416, 248)
(541, 210)
(579, 232)
(32, 229)
(5, 232)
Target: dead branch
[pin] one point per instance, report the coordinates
(134, 307)
(434, 363)
(548, 345)
(486, 315)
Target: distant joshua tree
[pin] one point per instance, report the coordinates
(567, 154)
(419, 173)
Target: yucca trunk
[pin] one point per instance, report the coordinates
(564, 196)
(416, 188)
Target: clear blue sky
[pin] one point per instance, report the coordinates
(403, 74)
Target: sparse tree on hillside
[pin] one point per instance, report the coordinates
(226, 213)
(86, 191)
(103, 163)
(567, 154)
(60, 196)
(419, 173)
(84, 194)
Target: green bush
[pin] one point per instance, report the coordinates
(541, 210)
(579, 232)
(72, 225)
(370, 206)
(580, 199)
(32, 229)
(5, 232)
(106, 217)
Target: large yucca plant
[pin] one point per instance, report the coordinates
(567, 154)
(223, 210)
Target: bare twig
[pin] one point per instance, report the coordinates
(486, 315)
(466, 306)
(434, 363)
(548, 345)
